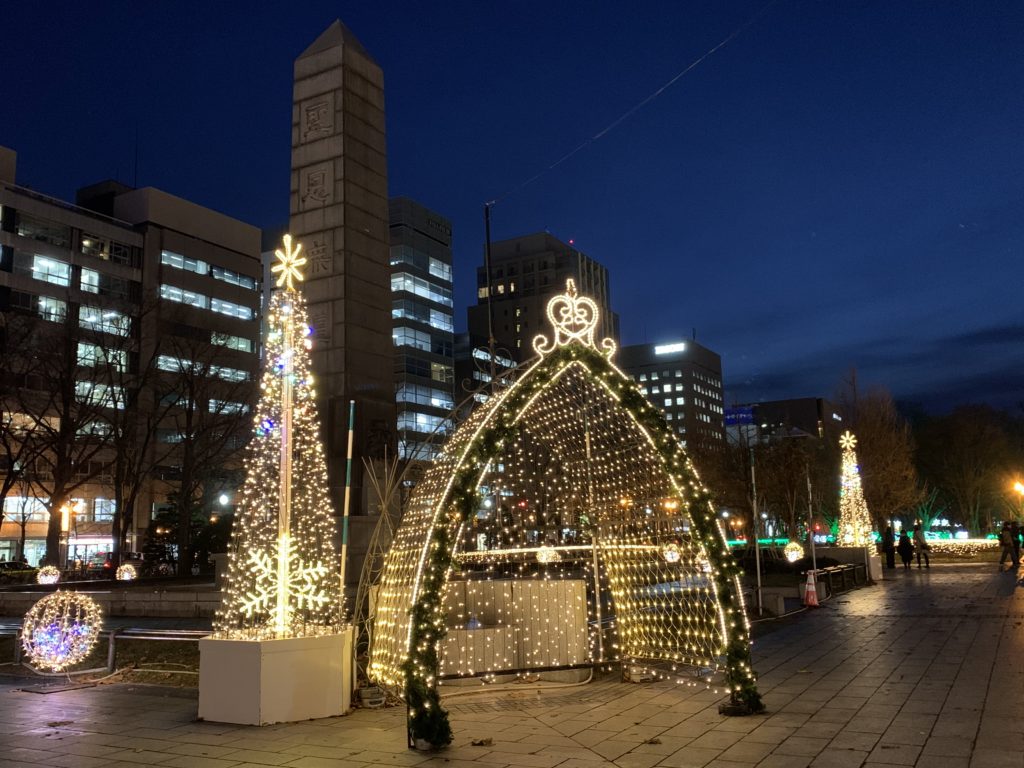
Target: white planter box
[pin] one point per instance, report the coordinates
(261, 682)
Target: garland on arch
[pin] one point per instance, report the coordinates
(428, 720)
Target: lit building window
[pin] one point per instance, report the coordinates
(240, 343)
(90, 282)
(105, 320)
(234, 278)
(51, 270)
(182, 296)
(52, 309)
(178, 261)
(230, 308)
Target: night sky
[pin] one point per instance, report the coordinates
(840, 185)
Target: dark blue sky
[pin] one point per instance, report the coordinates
(842, 185)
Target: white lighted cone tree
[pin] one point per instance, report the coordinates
(854, 519)
(569, 473)
(282, 576)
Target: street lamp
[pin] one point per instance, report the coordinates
(67, 511)
(1018, 486)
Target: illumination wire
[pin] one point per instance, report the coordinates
(639, 105)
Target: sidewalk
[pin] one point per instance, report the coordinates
(925, 669)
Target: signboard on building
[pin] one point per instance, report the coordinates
(740, 415)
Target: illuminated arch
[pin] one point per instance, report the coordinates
(648, 515)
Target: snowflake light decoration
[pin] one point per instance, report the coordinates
(303, 584)
(126, 572)
(60, 630)
(48, 574)
(672, 553)
(289, 264)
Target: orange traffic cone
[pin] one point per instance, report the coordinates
(811, 591)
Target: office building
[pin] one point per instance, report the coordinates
(684, 380)
(339, 213)
(800, 417)
(422, 327)
(147, 293)
(526, 272)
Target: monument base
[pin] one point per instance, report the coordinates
(261, 682)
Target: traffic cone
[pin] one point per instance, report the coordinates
(811, 591)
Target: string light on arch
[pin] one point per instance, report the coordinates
(571, 454)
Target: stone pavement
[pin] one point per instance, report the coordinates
(926, 669)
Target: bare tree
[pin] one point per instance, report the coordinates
(207, 423)
(64, 393)
(968, 456)
(885, 449)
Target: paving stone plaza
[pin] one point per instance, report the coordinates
(926, 669)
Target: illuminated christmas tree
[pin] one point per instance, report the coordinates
(283, 568)
(854, 520)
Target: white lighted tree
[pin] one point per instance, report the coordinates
(282, 573)
(854, 520)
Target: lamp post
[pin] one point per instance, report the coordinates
(67, 512)
(1018, 486)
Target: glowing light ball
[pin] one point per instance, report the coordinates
(126, 572)
(548, 555)
(793, 551)
(671, 553)
(48, 574)
(60, 630)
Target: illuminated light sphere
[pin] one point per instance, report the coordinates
(48, 574)
(60, 630)
(671, 553)
(548, 554)
(793, 551)
(126, 572)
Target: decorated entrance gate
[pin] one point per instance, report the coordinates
(568, 475)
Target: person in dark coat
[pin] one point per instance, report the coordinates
(921, 546)
(889, 547)
(1006, 540)
(1015, 541)
(906, 550)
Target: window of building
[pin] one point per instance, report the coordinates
(403, 281)
(654, 375)
(46, 231)
(240, 343)
(170, 363)
(104, 320)
(102, 395)
(229, 374)
(108, 250)
(442, 372)
(668, 417)
(178, 261)
(679, 373)
(439, 269)
(680, 401)
(25, 508)
(231, 309)
(103, 510)
(182, 296)
(226, 407)
(234, 278)
(95, 428)
(92, 355)
(423, 422)
(90, 282)
(421, 395)
(44, 268)
(668, 401)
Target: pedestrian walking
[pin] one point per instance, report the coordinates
(906, 550)
(889, 547)
(1015, 541)
(1006, 540)
(921, 546)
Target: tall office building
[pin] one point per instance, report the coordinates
(422, 326)
(773, 420)
(525, 273)
(132, 281)
(684, 380)
(339, 212)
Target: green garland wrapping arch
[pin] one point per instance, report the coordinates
(428, 719)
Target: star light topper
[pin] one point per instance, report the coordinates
(848, 441)
(289, 263)
(574, 318)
